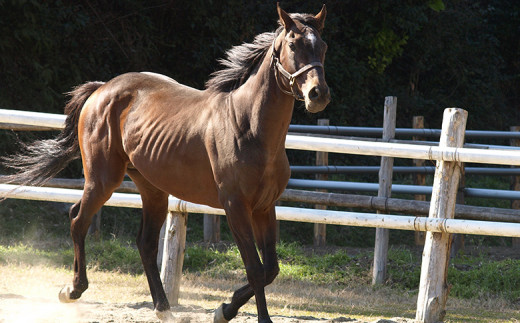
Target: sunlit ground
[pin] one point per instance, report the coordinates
(30, 294)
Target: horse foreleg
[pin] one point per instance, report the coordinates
(240, 222)
(264, 228)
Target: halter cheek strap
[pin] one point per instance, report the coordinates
(291, 77)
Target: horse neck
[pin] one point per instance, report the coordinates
(268, 109)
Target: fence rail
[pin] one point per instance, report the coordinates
(331, 169)
(377, 132)
(283, 213)
(367, 148)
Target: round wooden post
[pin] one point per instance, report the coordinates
(160, 247)
(515, 185)
(211, 228)
(173, 254)
(95, 227)
(419, 179)
(385, 190)
(433, 288)
(457, 243)
(322, 159)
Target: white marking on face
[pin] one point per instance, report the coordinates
(312, 38)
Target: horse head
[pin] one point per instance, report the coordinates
(298, 56)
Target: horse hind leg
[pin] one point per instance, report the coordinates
(99, 186)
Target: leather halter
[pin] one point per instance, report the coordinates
(291, 77)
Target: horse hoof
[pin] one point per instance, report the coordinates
(219, 315)
(164, 316)
(64, 295)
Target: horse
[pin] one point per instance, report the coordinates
(222, 146)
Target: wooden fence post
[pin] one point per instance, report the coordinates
(515, 185)
(419, 179)
(278, 203)
(433, 288)
(160, 247)
(211, 228)
(173, 254)
(322, 159)
(457, 243)
(95, 227)
(385, 190)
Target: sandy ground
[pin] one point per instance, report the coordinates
(29, 294)
(16, 308)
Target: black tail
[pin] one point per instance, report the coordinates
(41, 160)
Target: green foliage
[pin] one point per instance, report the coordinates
(482, 278)
(113, 255)
(437, 5)
(421, 51)
(213, 262)
(404, 268)
(106, 255)
(386, 45)
(469, 276)
(25, 254)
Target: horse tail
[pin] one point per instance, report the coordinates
(42, 160)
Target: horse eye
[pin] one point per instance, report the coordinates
(292, 46)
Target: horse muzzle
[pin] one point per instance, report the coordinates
(317, 98)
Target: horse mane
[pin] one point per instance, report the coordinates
(241, 61)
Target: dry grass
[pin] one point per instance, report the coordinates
(29, 294)
(365, 303)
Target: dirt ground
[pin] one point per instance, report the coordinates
(15, 308)
(29, 294)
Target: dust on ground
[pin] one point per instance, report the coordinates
(19, 309)
(29, 294)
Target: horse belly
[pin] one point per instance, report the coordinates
(173, 161)
(191, 182)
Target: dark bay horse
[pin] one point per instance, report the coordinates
(223, 147)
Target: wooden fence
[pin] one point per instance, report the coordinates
(439, 225)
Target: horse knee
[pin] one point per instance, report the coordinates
(261, 277)
(271, 272)
(256, 277)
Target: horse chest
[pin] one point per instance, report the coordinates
(254, 173)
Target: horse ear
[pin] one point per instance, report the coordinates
(320, 18)
(287, 21)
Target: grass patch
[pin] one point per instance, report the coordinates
(481, 278)
(105, 255)
(24, 254)
(469, 276)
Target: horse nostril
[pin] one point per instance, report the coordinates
(314, 93)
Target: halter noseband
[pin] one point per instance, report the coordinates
(291, 77)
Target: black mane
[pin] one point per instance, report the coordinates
(240, 61)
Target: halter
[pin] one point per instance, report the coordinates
(291, 77)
